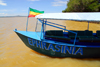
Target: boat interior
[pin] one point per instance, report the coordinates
(77, 37)
(83, 37)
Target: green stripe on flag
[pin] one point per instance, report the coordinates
(37, 11)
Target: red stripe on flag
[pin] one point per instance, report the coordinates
(31, 15)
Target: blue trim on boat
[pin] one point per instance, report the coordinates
(35, 35)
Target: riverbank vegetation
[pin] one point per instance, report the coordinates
(83, 6)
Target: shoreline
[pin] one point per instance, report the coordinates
(11, 16)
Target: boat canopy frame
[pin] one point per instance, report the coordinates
(45, 22)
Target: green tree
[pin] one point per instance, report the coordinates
(82, 6)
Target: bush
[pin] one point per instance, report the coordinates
(83, 6)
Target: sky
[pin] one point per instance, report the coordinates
(21, 7)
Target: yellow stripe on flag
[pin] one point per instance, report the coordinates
(34, 13)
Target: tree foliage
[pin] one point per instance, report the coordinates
(82, 6)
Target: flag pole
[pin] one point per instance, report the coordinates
(27, 19)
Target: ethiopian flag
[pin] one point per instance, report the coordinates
(34, 12)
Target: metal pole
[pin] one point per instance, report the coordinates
(36, 25)
(27, 19)
(42, 29)
(45, 25)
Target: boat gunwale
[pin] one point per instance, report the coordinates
(58, 43)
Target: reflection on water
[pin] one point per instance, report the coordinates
(13, 52)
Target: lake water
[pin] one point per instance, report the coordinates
(14, 53)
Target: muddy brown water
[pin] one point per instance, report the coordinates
(14, 53)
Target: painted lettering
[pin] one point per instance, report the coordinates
(73, 51)
(51, 47)
(56, 48)
(80, 50)
(39, 44)
(33, 42)
(44, 46)
(62, 49)
(68, 50)
(30, 41)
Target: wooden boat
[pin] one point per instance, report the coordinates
(63, 42)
